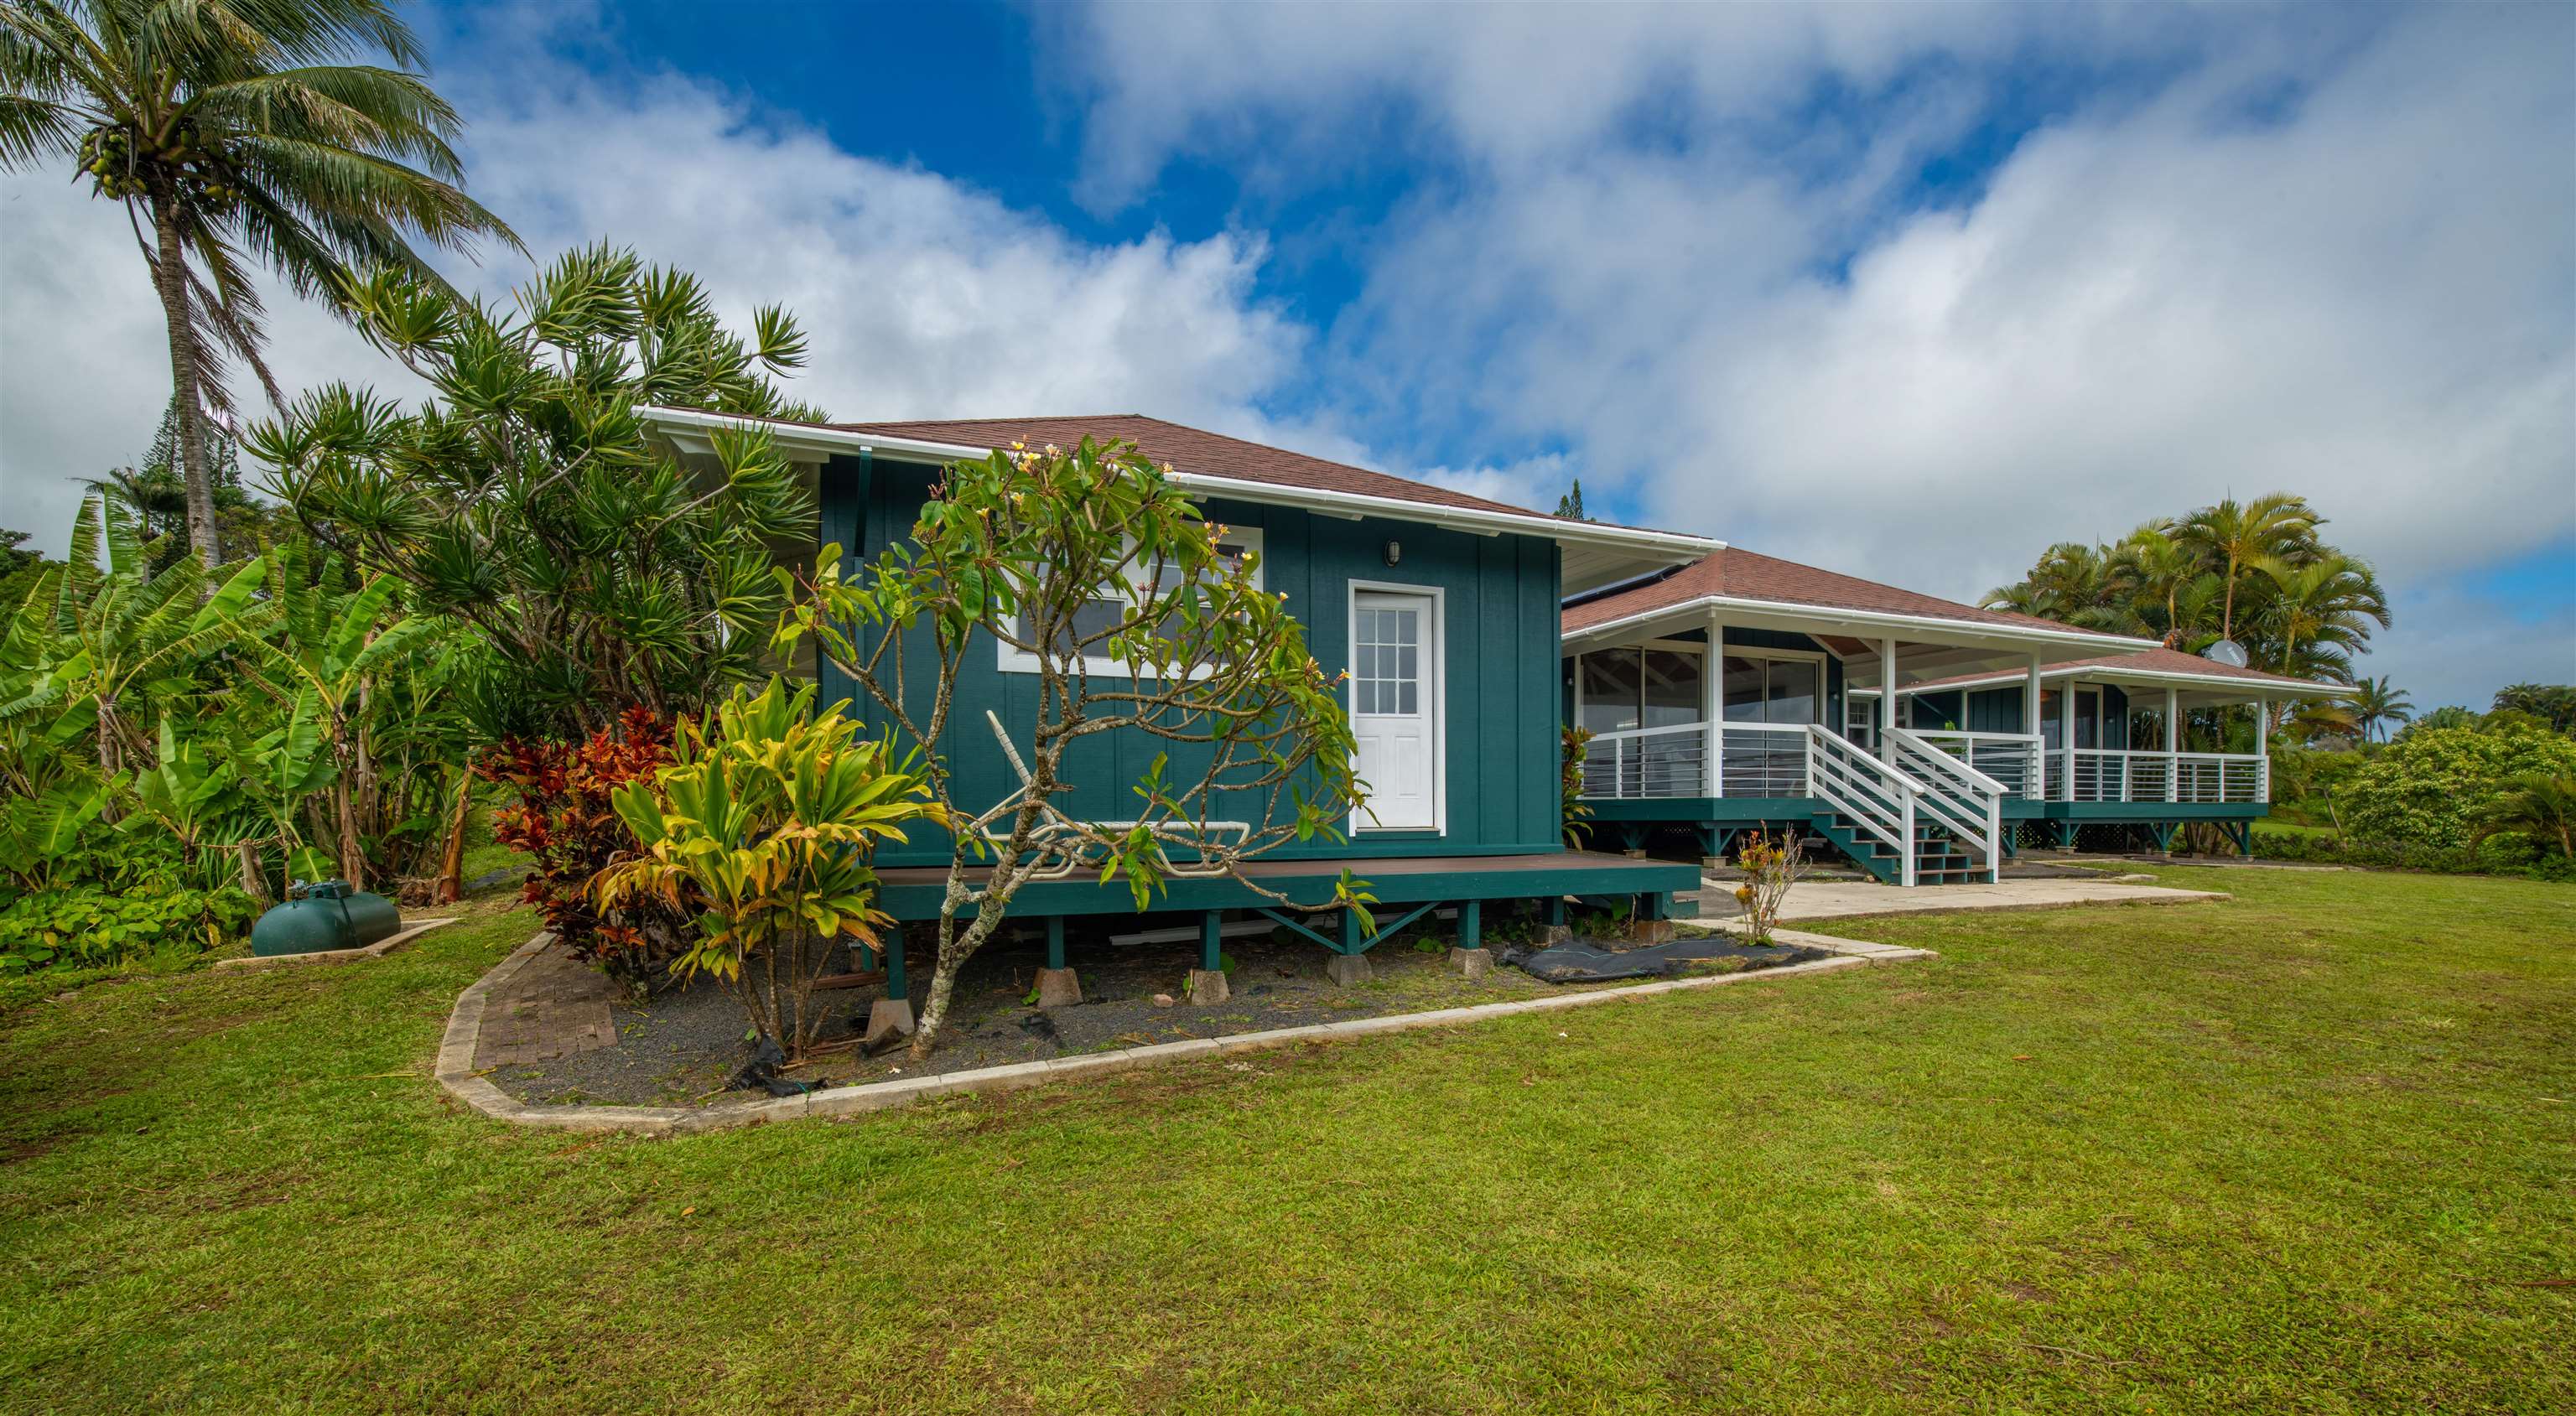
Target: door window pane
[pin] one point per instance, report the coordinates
(2088, 718)
(1386, 661)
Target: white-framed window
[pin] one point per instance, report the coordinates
(1237, 543)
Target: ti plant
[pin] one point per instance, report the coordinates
(763, 826)
(1092, 565)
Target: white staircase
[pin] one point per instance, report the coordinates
(1964, 802)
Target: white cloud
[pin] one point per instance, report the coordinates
(2328, 251)
(922, 296)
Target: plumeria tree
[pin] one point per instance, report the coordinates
(1072, 559)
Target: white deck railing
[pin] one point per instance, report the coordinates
(1644, 763)
(2015, 759)
(2200, 778)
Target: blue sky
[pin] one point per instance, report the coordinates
(1908, 291)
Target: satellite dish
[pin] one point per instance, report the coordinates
(2225, 651)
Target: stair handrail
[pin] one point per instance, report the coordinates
(1846, 788)
(1979, 816)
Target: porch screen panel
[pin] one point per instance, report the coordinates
(1609, 690)
(1668, 697)
(1790, 694)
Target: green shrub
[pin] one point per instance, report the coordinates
(2501, 854)
(2430, 786)
(89, 927)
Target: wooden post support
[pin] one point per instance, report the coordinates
(1055, 941)
(1471, 924)
(1352, 939)
(895, 984)
(1556, 910)
(1211, 933)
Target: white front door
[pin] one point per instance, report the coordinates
(1395, 708)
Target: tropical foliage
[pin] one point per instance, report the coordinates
(2255, 572)
(238, 137)
(528, 499)
(564, 820)
(169, 731)
(2436, 786)
(1093, 566)
(763, 827)
(2376, 703)
(2552, 704)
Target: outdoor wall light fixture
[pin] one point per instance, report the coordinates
(1394, 552)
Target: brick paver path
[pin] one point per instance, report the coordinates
(552, 1007)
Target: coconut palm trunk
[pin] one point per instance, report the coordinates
(170, 276)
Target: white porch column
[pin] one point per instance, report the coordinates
(2173, 744)
(1712, 710)
(2030, 725)
(2262, 750)
(2066, 733)
(1886, 695)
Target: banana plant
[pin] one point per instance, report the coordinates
(197, 797)
(325, 659)
(122, 636)
(41, 835)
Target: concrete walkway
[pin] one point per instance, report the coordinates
(1835, 899)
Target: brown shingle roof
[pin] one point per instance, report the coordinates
(1740, 574)
(1190, 450)
(2154, 661)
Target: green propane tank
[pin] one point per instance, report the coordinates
(329, 916)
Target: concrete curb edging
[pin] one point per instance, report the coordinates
(376, 950)
(455, 1069)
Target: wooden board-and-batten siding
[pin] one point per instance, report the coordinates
(1499, 644)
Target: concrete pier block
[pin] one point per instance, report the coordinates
(1058, 988)
(1348, 969)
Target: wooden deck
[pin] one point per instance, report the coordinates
(914, 892)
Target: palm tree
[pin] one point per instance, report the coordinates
(2540, 803)
(2156, 573)
(2234, 535)
(2376, 701)
(236, 134)
(2325, 607)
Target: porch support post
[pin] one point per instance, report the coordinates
(2173, 744)
(890, 1017)
(2066, 733)
(1469, 955)
(1207, 982)
(1712, 710)
(1886, 693)
(2030, 725)
(2262, 757)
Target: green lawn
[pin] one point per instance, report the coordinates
(2314, 1149)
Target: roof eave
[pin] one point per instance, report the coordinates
(688, 424)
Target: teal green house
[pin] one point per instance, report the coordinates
(1443, 606)
(1743, 692)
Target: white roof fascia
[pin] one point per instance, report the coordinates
(805, 437)
(1877, 619)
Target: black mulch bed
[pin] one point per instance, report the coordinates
(681, 1048)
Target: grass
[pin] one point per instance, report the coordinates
(2306, 1150)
